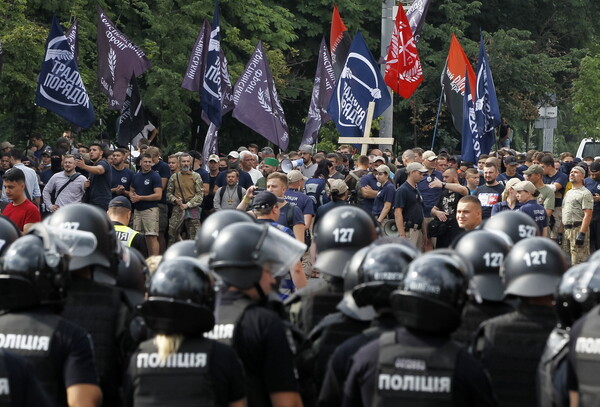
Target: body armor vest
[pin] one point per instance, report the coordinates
(517, 342)
(5, 398)
(182, 380)
(555, 353)
(318, 306)
(229, 315)
(587, 359)
(30, 335)
(96, 309)
(474, 314)
(414, 376)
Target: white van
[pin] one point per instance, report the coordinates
(588, 147)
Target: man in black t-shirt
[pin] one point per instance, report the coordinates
(99, 193)
(490, 193)
(445, 209)
(408, 206)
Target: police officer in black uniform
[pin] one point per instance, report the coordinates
(9, 232)
(485, 250)
(371, 275)
(33, 285)
(183, 248)
(180, 367)
(583, 359)
(552, 370)
(248, 257)
(100, 309)
(514, 342)
(338, 235)
(418, 364)
(119, 212)
(18, 385)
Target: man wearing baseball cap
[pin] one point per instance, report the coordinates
(511, 164)
(295, 194)
(233, 162)
(526, 193)
(369, 186)
(431, 195)
(408, 206)
(535, 174)
(119, 212)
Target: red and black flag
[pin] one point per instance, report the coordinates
(339, 42)
(453, 81)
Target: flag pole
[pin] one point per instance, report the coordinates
(437, 118)
(368, 123)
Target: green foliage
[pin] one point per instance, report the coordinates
(586, 97)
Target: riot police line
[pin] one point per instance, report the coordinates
(498, 319)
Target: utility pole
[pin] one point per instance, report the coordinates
(386, 123)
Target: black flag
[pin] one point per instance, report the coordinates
(118, 59)
(73, 38)
(131, 121)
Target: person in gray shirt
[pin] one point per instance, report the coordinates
(58, 193)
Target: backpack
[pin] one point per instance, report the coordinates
(356, 197)
(222, 192)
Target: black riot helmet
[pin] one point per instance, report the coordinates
(212, 226)
(92, 219)
(132, 275)
(243, 249)
(533, 267)
(34, 272)
(181, 298)
(485, 250)
(433, 293)
(517, 225)
(183, 248)
(9, 232)
(587, 288)
(381, 270)
(567, 308)
(339, 234)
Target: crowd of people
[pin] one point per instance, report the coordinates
(325, 278)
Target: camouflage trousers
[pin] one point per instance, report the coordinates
(177, 223)
(578, 254)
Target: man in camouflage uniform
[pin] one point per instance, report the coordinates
(578, 205)
(185, 192)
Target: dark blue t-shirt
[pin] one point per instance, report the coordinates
(298, 218)
(204, 175)
(504, 177)
(562, 179)
(99, 191)
(411, 202)
(144, 184)
(163, 170)
(387, 194)
(594, 188)
(306, 205)
(121, 177)
(431, 196)
(370, 180)
(46, 175)
(314, 188)
(536, 212)
(245, 180)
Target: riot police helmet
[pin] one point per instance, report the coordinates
(9, 232)
(533, 268)
(567, 308)
(244, 249)
(183, 248)
(485, 250)
(517, 225)
(587, 287)
(214, 224)
(181, 298)
(92, 219)
(432, 294)
(339, 234)
(381, 270)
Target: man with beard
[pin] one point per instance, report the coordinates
(64, 187)
(578, 205)
(185, 191)
(100, 177)
(231, 194)
(269, 166)
(431, 195)
(121, 175)
(490, 193)
(245, 180)
(213, 172)
(146, 192)
(310, 166)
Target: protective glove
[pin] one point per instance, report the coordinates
(580, 239)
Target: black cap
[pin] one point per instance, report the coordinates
(595, 166)
(510, 160)
(120, 202)
(264, 200)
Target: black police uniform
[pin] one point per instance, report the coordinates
(474, 314)
(18, 384)
(341, 361)
(410, 368)
(552, 371)
(309, 305)
(514, 343)
(101, 311)
(584, 358)
(202, 372)
(262, 342)
(59, 351)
